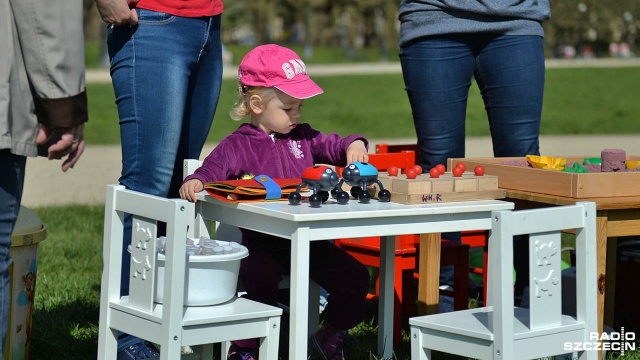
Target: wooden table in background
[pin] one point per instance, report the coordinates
(616, 217)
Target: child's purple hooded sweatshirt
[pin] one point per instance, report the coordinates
(251, 151)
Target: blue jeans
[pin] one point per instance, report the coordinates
(11, 184)
(509, 71)
(166, 73)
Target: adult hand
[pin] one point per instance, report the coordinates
(117, 12)
(71, 143)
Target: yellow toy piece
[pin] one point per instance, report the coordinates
(633, 164)
(547, 162)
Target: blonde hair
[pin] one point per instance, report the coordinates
(241, 108)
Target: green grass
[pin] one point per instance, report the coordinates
(65, 321)
(577, 101)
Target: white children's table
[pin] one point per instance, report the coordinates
(302, 224)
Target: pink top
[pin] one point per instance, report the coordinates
(185, 8)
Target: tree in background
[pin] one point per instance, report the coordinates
(592, 25)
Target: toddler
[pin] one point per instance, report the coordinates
(273, 84)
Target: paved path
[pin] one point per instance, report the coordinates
(99, 166)
(230, 72)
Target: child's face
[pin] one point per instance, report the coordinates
(280, 114)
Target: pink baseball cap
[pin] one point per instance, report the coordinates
(276, 66)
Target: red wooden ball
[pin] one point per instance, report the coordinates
(462, 165)
(457, 171)
(411, 173)
(417, 169)
(393, 170)
(478, 170)
(434, 173)
(441, 168)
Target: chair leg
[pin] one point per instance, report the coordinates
(224, 349)
(461, 281)
(205, 351)
(108, 344)
(409, 295)
(418, 351)
(170, 350)
(485, 272)
(269, 344)
(314, 315)
(400, 302)
(397, 305)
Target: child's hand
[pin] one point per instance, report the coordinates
(189, 189)
(357, 151)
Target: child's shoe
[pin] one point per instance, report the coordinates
(130, 348)
(239, 353)
(329, 343)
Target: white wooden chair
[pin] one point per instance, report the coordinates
(171, 324)
(502, 331)
(232, 233)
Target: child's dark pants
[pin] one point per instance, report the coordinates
(345, 278)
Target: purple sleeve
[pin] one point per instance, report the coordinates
(217, 166)
(332, 148)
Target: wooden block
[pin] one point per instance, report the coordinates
(442, 184)
(385, 180)
(419, 185)
(487, 182)
(465, 183)
(447, 197)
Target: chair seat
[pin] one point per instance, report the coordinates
(475, 323)
(236, 309)
(472, 326)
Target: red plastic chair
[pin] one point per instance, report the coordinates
(477, 238)
(382, 161)
(367, 251)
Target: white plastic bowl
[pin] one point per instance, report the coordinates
(209, 279)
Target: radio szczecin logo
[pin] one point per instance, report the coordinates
(613, 341)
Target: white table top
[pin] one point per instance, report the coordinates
(331, 210)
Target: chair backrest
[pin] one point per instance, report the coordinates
(147, 211)
(189, 166)
(544, 227)
(222, 231)
(386, 148)
(402, 160)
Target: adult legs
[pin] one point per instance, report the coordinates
(437, 74)
(166, 73)
(11, 185)
(510, 72)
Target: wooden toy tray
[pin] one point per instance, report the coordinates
(574, 185)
